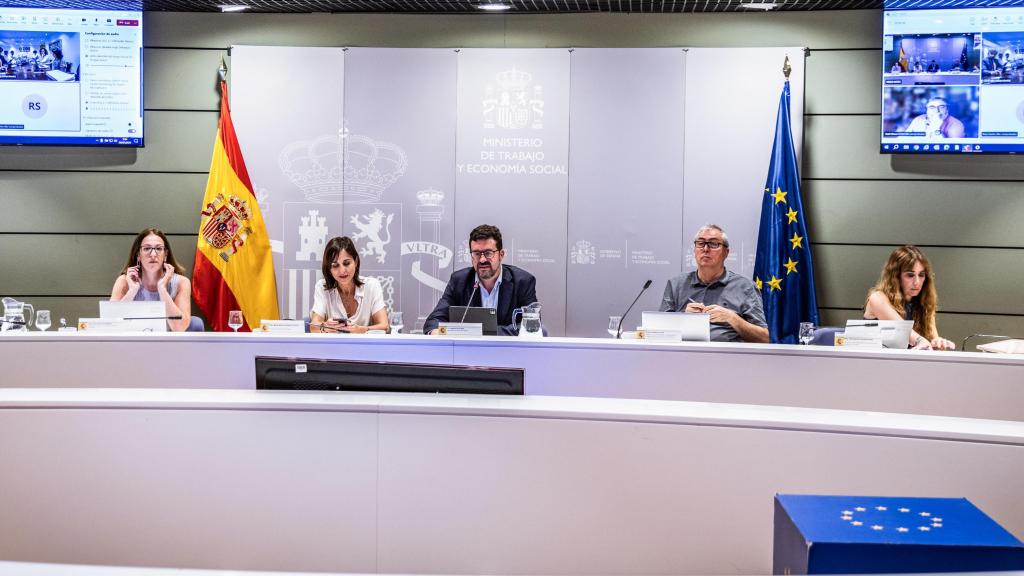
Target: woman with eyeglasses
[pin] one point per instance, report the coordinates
(152, 274)
(906, 291)
(344, 301)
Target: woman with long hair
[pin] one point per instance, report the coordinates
(152, 273)
(906, 291)
(344, 301)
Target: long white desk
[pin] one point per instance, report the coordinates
(972, 385)
(399, 483)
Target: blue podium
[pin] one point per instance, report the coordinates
(870, 534)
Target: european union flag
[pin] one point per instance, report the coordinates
(783, 271)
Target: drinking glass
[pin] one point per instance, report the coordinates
(235, 320)
(613, 325)
(395, 319)
(806, 332)
(43, 320)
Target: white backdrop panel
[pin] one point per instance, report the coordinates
(732, 97)
(435, 142)
(512, 154)
(626, 182)
(287, 107)
(400, 171)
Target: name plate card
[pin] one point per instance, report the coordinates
(867, 336)
(661, 335)
(460, 329)
(282, 326)
(103, 325)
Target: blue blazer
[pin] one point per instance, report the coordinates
(518, 288)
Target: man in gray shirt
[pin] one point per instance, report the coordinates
(731, 300)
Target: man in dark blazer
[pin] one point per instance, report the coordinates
(488, 282)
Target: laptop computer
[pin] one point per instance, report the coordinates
(895, 333)
(693, 327)
(487, 317)
(142, 316)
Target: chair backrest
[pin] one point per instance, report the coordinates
(196, 324)
(826, 335)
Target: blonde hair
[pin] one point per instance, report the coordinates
(925, 303)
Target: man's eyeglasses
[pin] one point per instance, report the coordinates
(153, 249)
(709, 244)
(485, 254)
(939, 108)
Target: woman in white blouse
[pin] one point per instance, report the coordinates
(344, 301)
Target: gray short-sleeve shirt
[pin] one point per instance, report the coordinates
(730, 290)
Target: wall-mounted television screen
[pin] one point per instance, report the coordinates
(953, 80)
(71, 77)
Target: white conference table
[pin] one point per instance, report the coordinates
(455, 484)
(966, 384)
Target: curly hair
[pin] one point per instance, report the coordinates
(925, 303)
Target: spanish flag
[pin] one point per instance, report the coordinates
(234, 269)
(904, 65)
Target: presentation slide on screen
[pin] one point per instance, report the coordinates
(70, 77)
(953, 80)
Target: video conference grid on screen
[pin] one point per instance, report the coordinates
(953, 81)
(70, 77)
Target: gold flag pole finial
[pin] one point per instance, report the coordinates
(786, 68)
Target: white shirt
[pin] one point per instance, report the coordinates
(369, 301)
(490, 299)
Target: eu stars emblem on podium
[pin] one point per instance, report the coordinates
(886, 535)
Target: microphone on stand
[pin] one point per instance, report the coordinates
(476, 284)
(178, 317)
(618, 331)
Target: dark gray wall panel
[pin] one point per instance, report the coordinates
(968, 279)
(828, 29)
(847, 147)
(982, 214)
(182, 79)
(843, 82)
(175, 142)
(72, 264)
(65, 202)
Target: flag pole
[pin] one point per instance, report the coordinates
(786, 68)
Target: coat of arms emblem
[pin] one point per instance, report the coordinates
(370, 227)
(227, 224)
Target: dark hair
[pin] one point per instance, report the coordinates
(133, 255)
(336, 246)
(486, 232)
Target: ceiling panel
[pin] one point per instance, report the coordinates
(516, 6)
